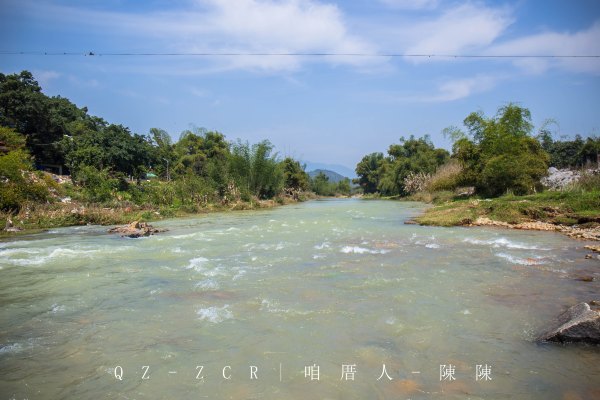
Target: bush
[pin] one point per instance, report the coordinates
(446, 177)
(19, 183)
(589, 180)
(501, 157)
(416, 182)
(98, 185)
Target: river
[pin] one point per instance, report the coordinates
(334, 299)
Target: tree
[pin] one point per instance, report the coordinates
(112, 147)
(320, 185)
(295, 178)
(590, 151)
(256, 169)
(368, 171)
(164, 155)
(19, 183)
(411, 156)
(43, 120)
(343, 187)
(500, 155)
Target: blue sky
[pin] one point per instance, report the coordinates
(323, 109)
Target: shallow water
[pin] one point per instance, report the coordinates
(323, 283)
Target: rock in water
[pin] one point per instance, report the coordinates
(136, 229)
(578, 324)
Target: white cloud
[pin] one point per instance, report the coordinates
(466, 28)
(584, 42)
(198, 92)
(451, 90)
(241, 26)
(411, 4)
(84, 83)
(462, 88)
(45, 76)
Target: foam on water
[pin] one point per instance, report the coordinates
(503, 242)
(324, 245)
(273, 307)
(42, 256)
(239, 274)
(207, 284)
(57, 253)
(11, 348)
(361, 250)
(185, 236)
(521, 261)
(19, 251)
(56, 308)
(197, 263)
(215, 314)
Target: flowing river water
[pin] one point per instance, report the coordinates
(307, 301)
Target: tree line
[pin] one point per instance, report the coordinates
(108, 162)
(493, 155)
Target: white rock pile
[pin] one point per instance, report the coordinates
(558, 179)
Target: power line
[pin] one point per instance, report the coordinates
(248, 54)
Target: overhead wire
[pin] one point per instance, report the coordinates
(278, 54)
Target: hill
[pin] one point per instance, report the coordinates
(333, 176)
(340, 169)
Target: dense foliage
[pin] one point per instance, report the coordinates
(387, 175)
(574, 153)
(19, 182)
(108, 163)
(498, 154)
(495, 155)
(321, 185)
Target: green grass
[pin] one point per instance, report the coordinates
(566, 208)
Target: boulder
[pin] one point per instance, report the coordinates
(578, 324)
(136, 229)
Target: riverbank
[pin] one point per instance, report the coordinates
(573, 213)
(37, 217)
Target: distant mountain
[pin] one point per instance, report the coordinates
(333, 176)
(340, 169)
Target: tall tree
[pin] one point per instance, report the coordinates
(43, 120)
(368, 171)
(295, 177)
(112, 147)
(499, 155)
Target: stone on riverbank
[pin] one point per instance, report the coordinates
(578, 324)
(571, 231)
(136, 229)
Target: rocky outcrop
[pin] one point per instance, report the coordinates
(136, 229)
(571, 231)
(559, 179)
(578, 324)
